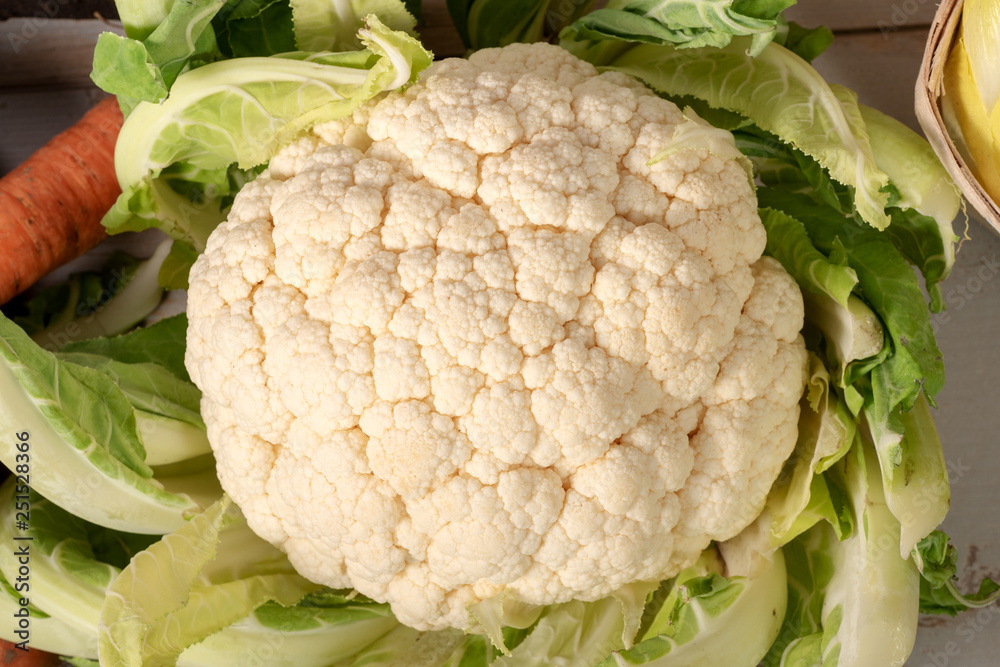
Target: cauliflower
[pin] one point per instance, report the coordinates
(474, 340)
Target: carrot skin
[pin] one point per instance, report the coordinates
(51, 205)
(15, 657)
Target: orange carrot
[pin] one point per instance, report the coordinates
(51, 206)
(15, 657)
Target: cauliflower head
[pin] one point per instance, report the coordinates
(476, 340)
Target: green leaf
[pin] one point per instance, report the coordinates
(936, 559)
(800, 497)
(415, 7)
(574, 634)
(710, 620)
(157, 606)
(78, 551)
(47, 633)
(720, 118)
(78, 662)
(459, 12)
(142, 69)
(888, 284)
(781, 166)
(240, 111)
(185, 34)
(162, 343)
(10, 594)
(916, 484)
(806, 43)
(405, 646)
(148, 386)
(851, 601)
(789, 243)
(47, 315)
(810, 568)
(321, 25)
(501, 22)
(141, 17)
(877, 621)
(83, 436)
(497, 615)
(632, 599)
(919, 237)
(682, 23)
(124, 67)
(255, 28)
(66, 395)
(269, 33)
(763, 9)
(76, 565)
(177, 266)
(147, 366)
(73, 563)
(853, 334)
(489, 23)
(320, 609)
(929, 200)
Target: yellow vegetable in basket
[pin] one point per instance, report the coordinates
(971, 101)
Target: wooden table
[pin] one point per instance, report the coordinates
(877, 53)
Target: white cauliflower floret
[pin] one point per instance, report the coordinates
(474, 341)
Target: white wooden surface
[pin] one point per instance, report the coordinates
(44, 87)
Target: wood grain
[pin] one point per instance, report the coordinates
(28, 59)
(884, 16)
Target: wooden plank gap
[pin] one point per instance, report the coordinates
(885, 32)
